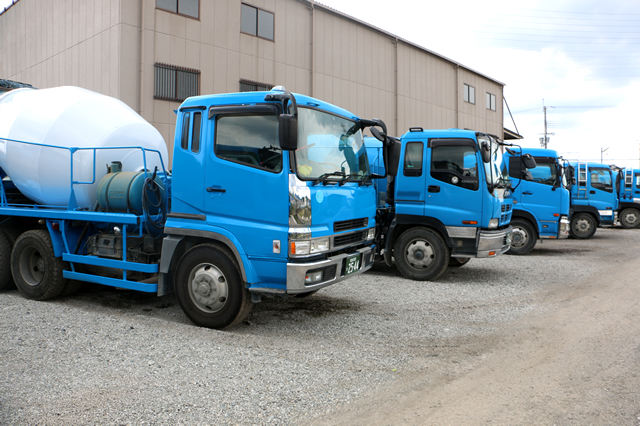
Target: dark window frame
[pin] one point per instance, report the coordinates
(410, 171)
(254, 86)
(159, 87)
(492, 102)
(177, 10)
(258, 9)
(466, 92)
(468, 182)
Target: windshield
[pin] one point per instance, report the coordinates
(329, 148)
(497, 174)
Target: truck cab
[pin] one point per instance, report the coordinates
(629, 198)
(540, 201)
(449, 202)
(594, 199)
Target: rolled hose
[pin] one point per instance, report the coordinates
(152, 199)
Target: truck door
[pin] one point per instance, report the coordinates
(543, 196)
(410, 184)
(454, 182)
(601, 192)
(246, 178)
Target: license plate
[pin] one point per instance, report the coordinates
(352, 264)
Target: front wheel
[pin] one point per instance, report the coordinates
(421, 254)
(210, 290)
(630, 218)
(523, 237)
(583, 226)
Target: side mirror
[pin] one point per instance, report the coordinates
(288, 125)
(393, 161)
(485, 152)
(528, 161)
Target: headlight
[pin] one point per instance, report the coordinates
(493, 224)
(371, 234)
(316, 246)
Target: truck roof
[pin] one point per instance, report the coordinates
(258, 97)
(439, 133)
(540, 152)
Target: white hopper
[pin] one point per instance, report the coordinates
(70, 117)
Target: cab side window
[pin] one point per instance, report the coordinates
(413, 159)
(545, 173)
(251, 140)
(456, 165)
(600, 178)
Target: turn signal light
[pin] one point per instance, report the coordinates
(469, 222)
(556, 214)
(492, 253)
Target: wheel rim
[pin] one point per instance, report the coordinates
(32, 266)
(631, 219)
(420, 254)
(519, 237)
(582, 226)
(208, 288)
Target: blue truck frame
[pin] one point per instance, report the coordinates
(540, 201)
(594, 198)
(270, 194)
(629, 197)
(448, 203)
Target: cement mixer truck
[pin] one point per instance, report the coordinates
(270, 195)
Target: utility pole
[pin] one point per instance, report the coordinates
(602, 151)
(544, 140)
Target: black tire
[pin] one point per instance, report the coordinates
(37, 272)
(523, 237)
(6, 280)
(421, 254)
(456, 262)
(583, 226)
(630, 218)
(220, 300)
(12, 233)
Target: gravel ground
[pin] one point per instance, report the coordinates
(106, 356)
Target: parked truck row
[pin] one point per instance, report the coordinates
(271, 194)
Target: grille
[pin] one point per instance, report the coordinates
(506, 208)
(461, 232)
(355, 237)
(346, 225)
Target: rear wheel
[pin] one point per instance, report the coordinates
(210, 290)
(523, 237)
(5, 262)
(456, 262)
(583, 226)
(421, 254)
(630, 218)
(36, 271)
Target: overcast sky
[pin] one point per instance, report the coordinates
(581, 56)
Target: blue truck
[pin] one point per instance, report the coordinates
(594, 198)
(541, 198)
(270, 195)
(448, 203)
(629, 197)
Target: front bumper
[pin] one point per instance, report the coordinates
(332, 270)
(563, 228)
(494, 243)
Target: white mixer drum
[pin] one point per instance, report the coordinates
(75, 118)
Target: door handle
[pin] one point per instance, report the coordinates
(433, 188)
(212, 189)
(592, 192)
(527, 193)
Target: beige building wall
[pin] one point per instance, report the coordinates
(111, 46)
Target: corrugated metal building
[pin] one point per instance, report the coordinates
(153, 53)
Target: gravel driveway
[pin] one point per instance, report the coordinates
(106, 356)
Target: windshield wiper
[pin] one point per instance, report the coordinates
(323, 178)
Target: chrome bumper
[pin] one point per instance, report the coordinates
(296, 272)
(563, 229)
(494, 243)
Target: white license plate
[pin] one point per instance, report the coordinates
(353, 264)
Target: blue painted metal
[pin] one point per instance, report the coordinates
(113, 282)
(595, 188)
(539, 198)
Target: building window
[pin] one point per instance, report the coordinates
(491, 102)
(469, 94)
(190, 8)
(257, 22)
(254, 86)
(176, 83)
